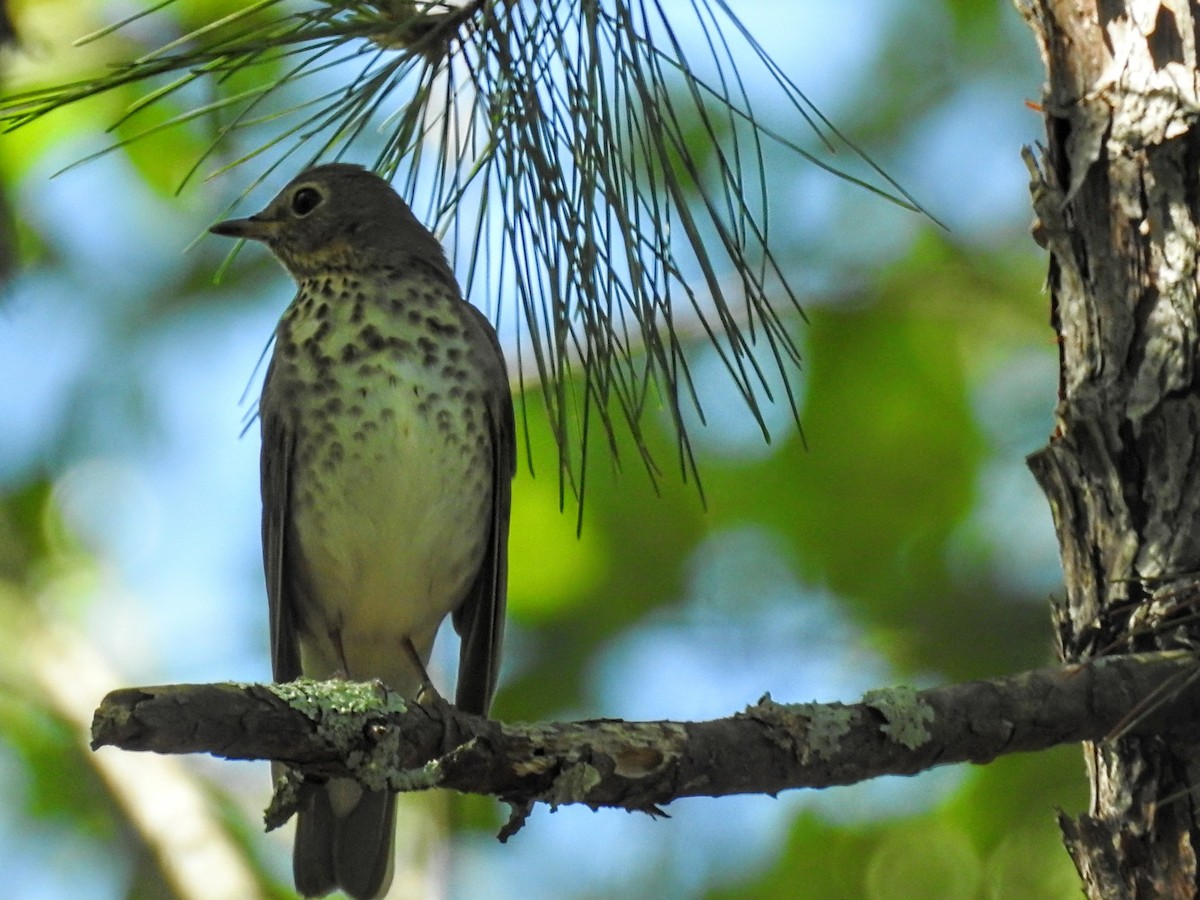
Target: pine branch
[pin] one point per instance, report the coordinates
(329, 729)
(609, 161)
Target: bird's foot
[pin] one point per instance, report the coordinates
(427, 694)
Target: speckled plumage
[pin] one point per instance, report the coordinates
(387, 455)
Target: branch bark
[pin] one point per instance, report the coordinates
(365, 731)
(1115, 192)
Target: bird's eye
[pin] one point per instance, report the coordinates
(305, 201)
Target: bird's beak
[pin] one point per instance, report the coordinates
(253, 228)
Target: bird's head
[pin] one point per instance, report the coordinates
(334, 216)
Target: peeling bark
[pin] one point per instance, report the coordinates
(1115, 193)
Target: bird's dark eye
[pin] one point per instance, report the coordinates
(306, 200)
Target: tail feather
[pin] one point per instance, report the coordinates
(349, 848)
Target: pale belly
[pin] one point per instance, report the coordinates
(391, 534)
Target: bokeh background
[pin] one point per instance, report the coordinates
(901, 541)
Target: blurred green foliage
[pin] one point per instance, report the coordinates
(877, 505)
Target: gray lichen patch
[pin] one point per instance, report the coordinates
(337, 709)
(331, 703)
(422, 779)
(305, 694)
(810, 730)
(373, 769)
(285, 797)
(572, 785)
(906, 714)
(828, 723)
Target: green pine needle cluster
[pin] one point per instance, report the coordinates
(575, 150)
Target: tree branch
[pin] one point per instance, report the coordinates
(364, 730)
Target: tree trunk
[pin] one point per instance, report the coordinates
(1115, 192)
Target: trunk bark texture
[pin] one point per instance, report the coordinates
(1115, 193)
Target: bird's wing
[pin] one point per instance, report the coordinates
(275, 468)
(479, 619)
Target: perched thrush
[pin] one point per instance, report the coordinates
(387, 456)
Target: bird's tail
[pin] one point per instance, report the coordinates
(344, 839)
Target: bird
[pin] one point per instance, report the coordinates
(387, 458)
